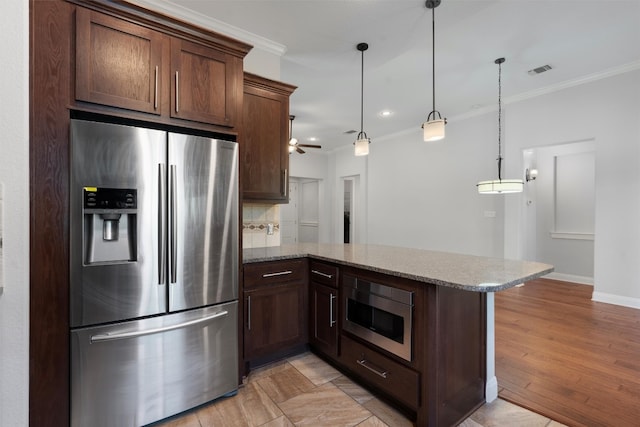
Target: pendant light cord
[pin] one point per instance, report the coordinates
(362, 47)
(499, 120)
(362, 92)
(433, 57)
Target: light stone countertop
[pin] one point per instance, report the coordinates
(467, 272)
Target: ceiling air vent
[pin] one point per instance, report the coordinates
(539, 70)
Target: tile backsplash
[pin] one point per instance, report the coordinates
(257, 220)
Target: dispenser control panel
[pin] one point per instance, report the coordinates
(110, 198)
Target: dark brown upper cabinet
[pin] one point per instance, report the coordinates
(171, 76)
(202, 84)
(118, 63)
(265, 140)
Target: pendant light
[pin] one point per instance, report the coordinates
(500, 186)
(362, 141)
(434, 126)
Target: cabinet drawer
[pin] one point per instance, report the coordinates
(325, 274)
(386, 375)
(268, 273)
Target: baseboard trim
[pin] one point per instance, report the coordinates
(583, 280)
(616, 299)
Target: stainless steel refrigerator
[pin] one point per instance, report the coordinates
(154, 266)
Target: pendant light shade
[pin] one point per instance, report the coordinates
(434, 126)
(433, 130)
(362, 141)
(500, 186)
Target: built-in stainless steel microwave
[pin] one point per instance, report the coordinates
(379, 314)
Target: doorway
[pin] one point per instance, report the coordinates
(300, 218)
(559, 211)
(349, 220)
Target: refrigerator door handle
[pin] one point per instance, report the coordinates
(173, 224)
(136, 334)
(162, 224)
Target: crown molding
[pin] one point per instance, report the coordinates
(212, 24)
(614, 71)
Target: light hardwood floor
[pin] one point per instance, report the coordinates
(562, 355)
(306, 391)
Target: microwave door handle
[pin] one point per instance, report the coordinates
(162, 224)
(173, 223)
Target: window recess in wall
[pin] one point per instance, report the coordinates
(574, 201)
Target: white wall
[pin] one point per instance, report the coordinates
(607, 111)
(424, 195)
(14, 173)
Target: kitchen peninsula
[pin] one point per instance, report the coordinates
(416, 326)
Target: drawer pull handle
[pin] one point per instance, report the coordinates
(373, 368)
(320, 273)
(279, 273)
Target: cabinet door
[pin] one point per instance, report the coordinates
(323, 333)
(265, 137)
(118, 64)
(275, 318)
(203, 82)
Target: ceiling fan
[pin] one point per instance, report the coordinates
(294, 145)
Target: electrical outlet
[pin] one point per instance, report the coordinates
(269, 229)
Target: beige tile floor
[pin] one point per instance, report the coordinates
(305, 391)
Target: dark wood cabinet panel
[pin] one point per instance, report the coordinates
(175, 77)
(49, 90)
(275, 301)
(118, 63)
(457, 350)
(264, 141)
(323, 318)
(203, 84)
(274, 319)
(271, 273)
(386, 375)
(323, 273)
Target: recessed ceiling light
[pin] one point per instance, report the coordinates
(385, 113)
(313, 138)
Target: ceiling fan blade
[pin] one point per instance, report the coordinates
(299, 150)
(310, 145)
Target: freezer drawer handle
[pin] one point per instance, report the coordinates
(136, 334)
(320, 273)
(370, 366)
(279, 273)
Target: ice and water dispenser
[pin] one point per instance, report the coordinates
(109, 216)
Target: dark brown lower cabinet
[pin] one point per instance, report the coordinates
(275, 319)
(323, 318)
(441, 384)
